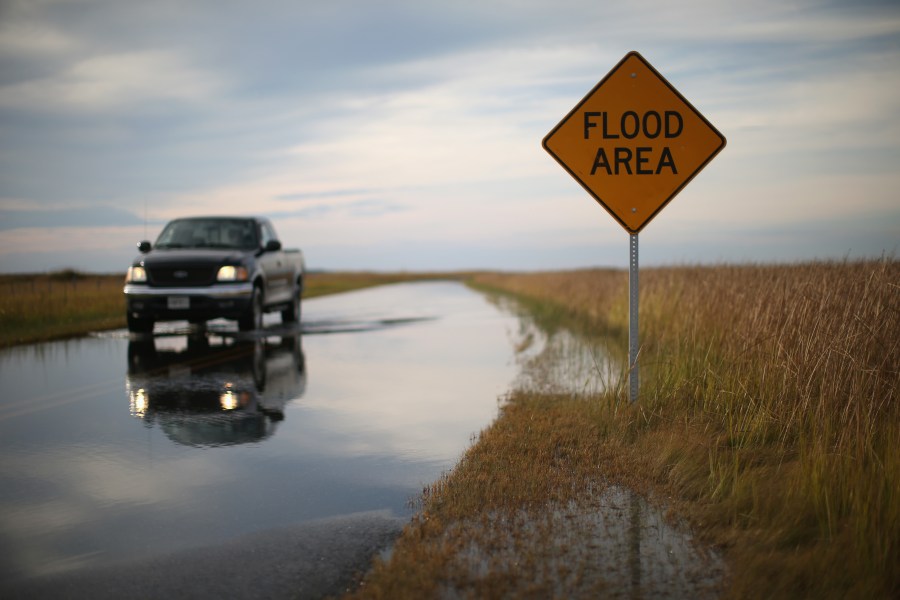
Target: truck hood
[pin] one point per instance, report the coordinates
(193, 256)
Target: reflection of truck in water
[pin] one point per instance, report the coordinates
(205, 268)
(202, 393)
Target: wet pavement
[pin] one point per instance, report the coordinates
(313, 559)
(117, 453)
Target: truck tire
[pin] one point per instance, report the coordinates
(138, 325)
(291, 314)
(252, 319)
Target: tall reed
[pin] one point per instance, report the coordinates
(769, 397)
(38, 307)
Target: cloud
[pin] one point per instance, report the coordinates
(408, 123)
(61, 244)
(115, 81)
(16, 216)
(801, 24)
(31, 39)
(305, 196)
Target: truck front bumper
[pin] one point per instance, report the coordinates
(227, 300)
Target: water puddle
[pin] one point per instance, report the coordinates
(612, 544)
(115, 447)
(558, 361)
(562, 363)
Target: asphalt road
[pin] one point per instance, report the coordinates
(197, 467)
(310, 560)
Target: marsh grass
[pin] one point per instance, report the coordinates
(56, 305)
(768, 418)
(769, 405)
(38, 307)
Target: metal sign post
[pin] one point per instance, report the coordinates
(633, 318)
(633, 143)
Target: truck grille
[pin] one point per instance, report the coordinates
(181, 276)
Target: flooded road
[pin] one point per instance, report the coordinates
(277, 464)
(119, 451)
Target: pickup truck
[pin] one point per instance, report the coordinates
(204, 268)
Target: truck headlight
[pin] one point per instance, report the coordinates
(136, 274)
(231, 273)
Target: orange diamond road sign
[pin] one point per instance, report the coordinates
(633, 142)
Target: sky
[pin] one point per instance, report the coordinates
(406, 134)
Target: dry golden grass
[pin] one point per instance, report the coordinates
(56, 305)
(48, 306)
(768, 416)
(769, 398)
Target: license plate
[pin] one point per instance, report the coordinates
(179, 302)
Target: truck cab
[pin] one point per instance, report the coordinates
(203, 268)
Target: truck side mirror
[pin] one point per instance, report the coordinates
(144, 247)
(273, 246)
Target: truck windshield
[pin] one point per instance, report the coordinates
(239, 234)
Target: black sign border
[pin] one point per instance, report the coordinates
(587, 96)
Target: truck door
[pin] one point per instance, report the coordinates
(276, 267)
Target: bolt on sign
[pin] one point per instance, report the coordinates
(633, 142)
